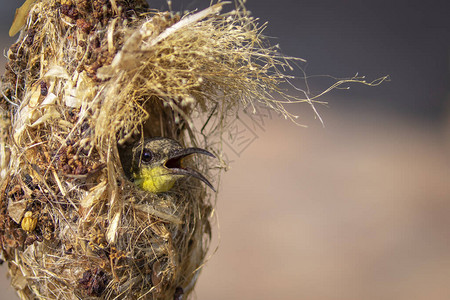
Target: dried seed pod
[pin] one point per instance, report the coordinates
(28, 222)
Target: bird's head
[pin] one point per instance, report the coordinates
(158, 163)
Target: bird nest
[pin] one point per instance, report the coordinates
(84, 82)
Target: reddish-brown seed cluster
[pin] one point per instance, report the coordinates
(11, 235)
(84, 25)
(69, 10)
(94, 282)
(70, 163)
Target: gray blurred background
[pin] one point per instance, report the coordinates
(358, 209)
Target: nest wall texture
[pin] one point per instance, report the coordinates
(84, 81)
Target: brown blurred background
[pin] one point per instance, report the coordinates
(358, 209)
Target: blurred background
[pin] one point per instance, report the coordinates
(358, 209)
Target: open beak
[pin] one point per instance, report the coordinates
(174, 164)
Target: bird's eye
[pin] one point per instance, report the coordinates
(147, 156)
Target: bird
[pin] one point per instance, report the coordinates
(157, 163)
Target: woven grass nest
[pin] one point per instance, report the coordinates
(84, 81)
